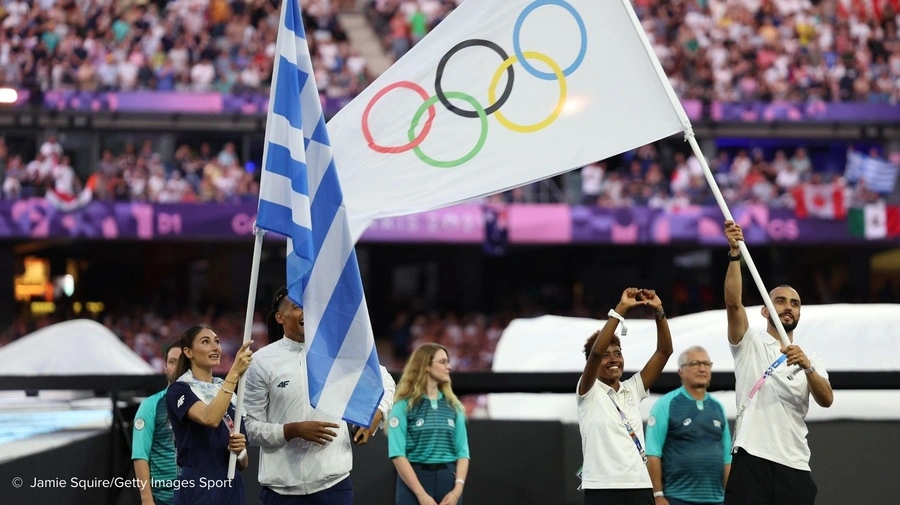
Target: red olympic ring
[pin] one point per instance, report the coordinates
(405, 147)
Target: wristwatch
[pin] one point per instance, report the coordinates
(809, 370)
(733, 258)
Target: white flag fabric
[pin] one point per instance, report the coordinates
(300, 197)
(878, 174)
(501, 94)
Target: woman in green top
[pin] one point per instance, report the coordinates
(427, 438)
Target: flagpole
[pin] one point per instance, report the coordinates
(259, 233)
(248, 329)
(745, 252)
(689, 136)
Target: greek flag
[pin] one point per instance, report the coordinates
(300, 198)
(879, 175)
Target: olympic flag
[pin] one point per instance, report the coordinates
(501, 94)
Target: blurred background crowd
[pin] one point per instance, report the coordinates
(735, 50)
(178, 45)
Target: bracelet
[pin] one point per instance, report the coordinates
(460, 481)
(660, 314)
(612, 313)
(734, 258)
(227, 391)
(659, 494)
(230, 382)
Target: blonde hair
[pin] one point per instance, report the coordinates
(415, 377)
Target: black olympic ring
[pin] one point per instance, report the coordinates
(440, 72)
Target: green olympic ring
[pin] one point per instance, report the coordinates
(468, 156)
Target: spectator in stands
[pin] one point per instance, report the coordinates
(688, 440)
(764, 473)
(739, 51)
(13, 176)
(183, 45)
(153, 444)
(432, 462)
(608, 409)
(591, 182)
(201, 411)
(315, 468)
(51, 147)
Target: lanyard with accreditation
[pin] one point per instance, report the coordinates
(756, 387)
(631, 432)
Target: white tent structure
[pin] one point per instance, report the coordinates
(29, 424)
(850, 338)
(78, 347)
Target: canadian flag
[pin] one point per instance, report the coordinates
(865, 9)
(824, 201)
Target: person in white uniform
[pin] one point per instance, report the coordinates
(612, 435)
(305, 455)
(773, 384)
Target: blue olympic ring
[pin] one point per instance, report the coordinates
(517, 47)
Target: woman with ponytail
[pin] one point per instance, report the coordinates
(427, 438)
(201, 411)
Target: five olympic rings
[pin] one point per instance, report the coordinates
(478, 111)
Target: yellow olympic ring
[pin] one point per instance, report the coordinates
(560, 77)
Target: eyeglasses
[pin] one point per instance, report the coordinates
(441, 361)
(695, 363)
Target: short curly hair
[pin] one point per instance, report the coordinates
(593, 338)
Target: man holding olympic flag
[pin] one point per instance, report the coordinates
(770, 465)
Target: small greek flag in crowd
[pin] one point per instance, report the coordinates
(300, 197)
(879, 175)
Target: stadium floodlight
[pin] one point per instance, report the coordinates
(8, 95)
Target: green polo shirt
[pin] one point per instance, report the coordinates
(693, 440)
(431, 432)
(153, 441)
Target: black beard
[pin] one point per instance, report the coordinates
(788, 327)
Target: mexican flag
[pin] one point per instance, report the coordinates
(875, 221)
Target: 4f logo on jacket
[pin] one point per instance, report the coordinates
(283, 384)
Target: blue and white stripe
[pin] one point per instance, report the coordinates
(300, 197)
(879, 175)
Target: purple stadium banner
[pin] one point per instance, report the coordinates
(170, 102)
(257, 103)
(757, 112)
(458, 224)
(36, 218)
(540, 224)
(701, 225)
(528, 224)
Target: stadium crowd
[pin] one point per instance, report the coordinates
(642, 177)
(646, 177)
(165, 45)
(733, 51)
(134, 174)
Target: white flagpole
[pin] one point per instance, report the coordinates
(248, 329)
(257, 250)
(689, 136)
